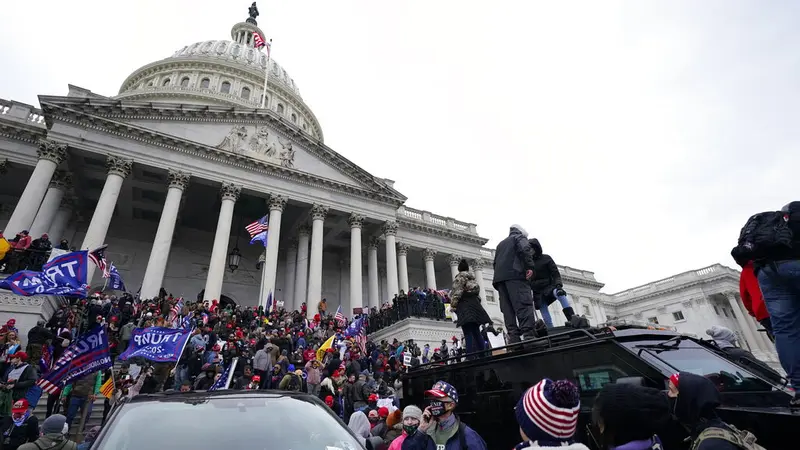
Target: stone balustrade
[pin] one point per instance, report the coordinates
(21, 112)
(417, 215)
(693, 276)
(28, 310)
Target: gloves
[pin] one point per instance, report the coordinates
(560, 292)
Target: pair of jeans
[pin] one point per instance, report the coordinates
(473, 338)
(181, 375)
(516, 304)
(78, 404)
(546, 317)
(780, 285)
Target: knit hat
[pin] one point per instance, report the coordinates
(412, 411)
(549, 411)
(394, 418)
(631, 412)
(54, 424)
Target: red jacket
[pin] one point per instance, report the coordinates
(751, 293)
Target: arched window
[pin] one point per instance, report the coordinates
(294, 118)
(280, 108)
(226, 87)
(166, 82)
(204, 83)
(246, 93)
(185, 82)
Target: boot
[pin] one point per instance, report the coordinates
(568, 313)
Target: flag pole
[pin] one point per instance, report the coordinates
(266, 75)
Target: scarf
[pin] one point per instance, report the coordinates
(18, 422)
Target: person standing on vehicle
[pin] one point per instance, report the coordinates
(547, 414)
(547, 285)
(466, 302)
(752, 298)
(513, 267)
(440, 428)
(772, 239)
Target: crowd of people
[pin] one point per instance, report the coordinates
(22, 252)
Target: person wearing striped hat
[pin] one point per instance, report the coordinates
(548, 416)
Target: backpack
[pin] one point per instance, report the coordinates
(764, 235)
(294, 383)
(745, 440)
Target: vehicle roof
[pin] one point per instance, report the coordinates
(227, 393)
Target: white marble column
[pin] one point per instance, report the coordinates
(740, 318)
(453, 260)
(51, 154)
(356, 221)
(162, 243)
(118, 170)
(390, 231)
(477, 269)
(372, 273)
(291, 274)
(386, 295)
(61, 220)
(270, 273)
(59, 185)
(318, 214)
(430, 271)
(301, 279)
(766, 344)
(219, 251)
(402, 266)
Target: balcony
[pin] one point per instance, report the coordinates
(437, 221)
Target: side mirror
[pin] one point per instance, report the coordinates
(636, 381)
(375, 443)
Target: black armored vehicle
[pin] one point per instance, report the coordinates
(489, 385)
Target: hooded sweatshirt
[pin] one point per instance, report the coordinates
(696, 408)
(723, 337)
(360, 426)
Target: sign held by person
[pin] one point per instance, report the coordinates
(157, 344)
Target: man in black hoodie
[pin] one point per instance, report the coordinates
(513, 267)
(546, 285)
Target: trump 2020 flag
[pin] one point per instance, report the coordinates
(63, 275)
(157, 344)
(115, 279)
(88, 354)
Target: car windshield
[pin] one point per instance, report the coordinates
(687, 356)
(247, 422)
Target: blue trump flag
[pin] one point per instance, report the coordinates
(63, 275)
(87, 354)
(157, 344)
(115, 279)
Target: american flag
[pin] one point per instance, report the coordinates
(225, 379)
(259, 42)
(339, 317)
(176, 310)
(358, 332)
(259, 226)
(98, 256)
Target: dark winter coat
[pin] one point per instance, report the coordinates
(546, 276)
(696, 408)
(512, 257)
(469, 310)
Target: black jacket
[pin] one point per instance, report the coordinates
(546, 276)
(512, 257)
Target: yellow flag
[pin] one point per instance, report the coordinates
(321, 351)
(107, 389)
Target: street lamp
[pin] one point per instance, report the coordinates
(233, 259)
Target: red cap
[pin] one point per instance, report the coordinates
(20, 406)
(383, 411)
(21, 355)
(372, 398)
(674, 378)
(256, 379)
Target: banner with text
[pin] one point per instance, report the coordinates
(63, 275)
(157, 344)
(88, 354)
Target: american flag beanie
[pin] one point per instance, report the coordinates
(548, 411)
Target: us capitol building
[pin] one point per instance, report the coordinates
(169, 171)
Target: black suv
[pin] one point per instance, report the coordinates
(257, 420)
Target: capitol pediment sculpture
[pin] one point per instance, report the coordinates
(257, 142)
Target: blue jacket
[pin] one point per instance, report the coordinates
(421, 441)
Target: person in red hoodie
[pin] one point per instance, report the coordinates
(752, 298)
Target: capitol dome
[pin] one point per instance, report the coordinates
(222, 72)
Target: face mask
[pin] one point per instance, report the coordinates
(410, 429)
(437, 408)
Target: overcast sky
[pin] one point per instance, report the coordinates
(632, 138)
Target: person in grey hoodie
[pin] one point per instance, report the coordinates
(723, 337)
(262, 361)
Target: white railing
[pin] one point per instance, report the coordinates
(21, 112)
(676, 280)
(404, 212)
